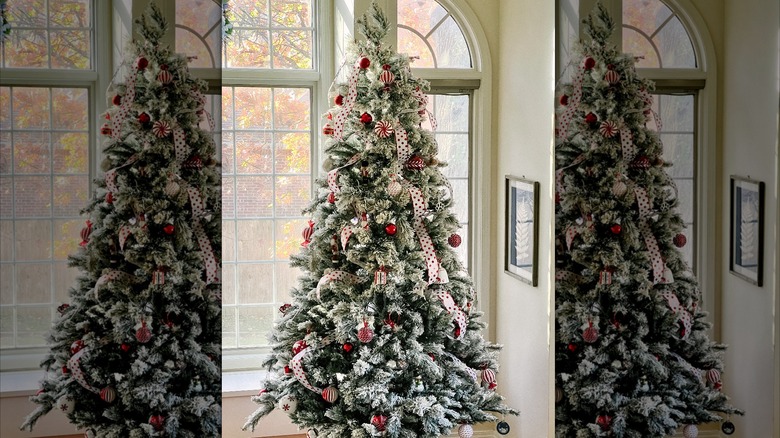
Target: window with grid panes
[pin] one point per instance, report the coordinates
(46, 135)
(268, 144)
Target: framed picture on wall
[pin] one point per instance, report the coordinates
(746, 254)
(522, 229)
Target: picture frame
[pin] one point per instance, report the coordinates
(522, 229)
(746, 249)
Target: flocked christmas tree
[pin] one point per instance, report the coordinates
(136, 352)
(633, 358)
(382, 337)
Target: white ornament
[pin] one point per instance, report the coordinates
(394, 188)
(465, 431)
(311, 433)
(288, 404)
(66, 403)
(90, 434)
(690, 431)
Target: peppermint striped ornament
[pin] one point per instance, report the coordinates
(330, 394)
(161, 128)
(383, 129)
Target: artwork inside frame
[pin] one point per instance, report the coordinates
(522, 229)
(746, 249)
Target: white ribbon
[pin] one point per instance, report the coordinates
(297, 369)
(562, 122)
(627, 143)
(682, 313)
(124, 107)
(333, 175)
(341, 117)
(652, 245)
(209, 260)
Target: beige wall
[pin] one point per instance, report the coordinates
(523, 117)
(749, 75)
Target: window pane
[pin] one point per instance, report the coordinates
(69, 152)
(255, 240)
(31, 152)
(32, 324)
(59, 36)
(6, 241)
(199, 31)
(289, 35)
(253, 152)
(229, 338)
(70, 195)
(33, 284)
(7, 320)
(67, 237)
(32, 196)
(254, 325)
(255, 283)
(427, 30)
(5, 108)
(652, 32)
(70, 109)
(6, 284)
(32, 240)
(64, 278)
(293, 152)
(292, 195)
(30, 108)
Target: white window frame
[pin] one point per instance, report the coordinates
(23, 363)
(703, 80)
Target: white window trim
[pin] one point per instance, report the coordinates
(96, 80)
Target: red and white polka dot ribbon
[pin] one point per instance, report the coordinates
(341, 117)
(568, 276)
(562, 122)
(333, 175)
(645, 210)
(402, 143)
(454, 310)
(74, 365)
(180, 147)
(198, 211)
(418, 202)
(346, 233)
(336, 276)
(682, 313)
(124, 233)
(627, 143)
(124, 108)
(297, 369)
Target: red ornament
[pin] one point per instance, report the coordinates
(366, 118)
(339, 100)
(641, 162)
(591, 118)
(680, 240)
(391, 229)
(365, 63)
(284, 308)
(65, 370)
(387, 77)
(572, 347)
(713, 376)
(299, 346)
(604, 421)
(385, 66)
(591, 334)
(193, 162)
(433, 358)
(332, 198)
(307, 233)
(287, 369)
(454, 240)
(616, 229)
(492, 385)
(108, 394)
(415, 162)
(365, 334)
(141, 63)
(76, 346)
(457, 331)
(143, 118)
(165, 77)
(612, 77)
(85, 233)
(328, 129)
(379, 422)
(143, 334)
(589, 63)
(105, 130)
(109, 198)
(169, 229)
(347, 347)
(330, 394)
(157, 421)
(564, 100)
(610, 66)
(62, 308)
(124, 347)
(117, 100)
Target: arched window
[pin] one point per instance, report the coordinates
(199, 31)
(428, 31)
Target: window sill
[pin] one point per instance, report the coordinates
(242, 383)
(19, 383)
